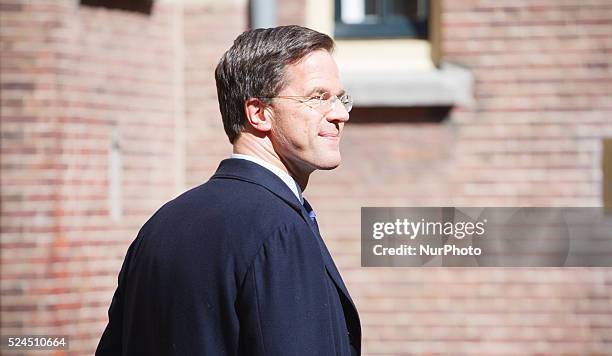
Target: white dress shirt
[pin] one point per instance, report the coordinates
(291, 183)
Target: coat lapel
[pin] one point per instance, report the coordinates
(332, 270)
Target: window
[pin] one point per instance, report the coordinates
(381, 18)
(389, 56)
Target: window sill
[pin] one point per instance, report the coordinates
(451, 85)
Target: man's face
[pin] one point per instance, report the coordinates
(304, 137)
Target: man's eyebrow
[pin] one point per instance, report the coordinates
(316, 90)
(323, 90)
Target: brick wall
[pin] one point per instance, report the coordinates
(543, 106)
(87, 89)
(81, 87)
(209, 30)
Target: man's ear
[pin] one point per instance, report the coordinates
(257, 115)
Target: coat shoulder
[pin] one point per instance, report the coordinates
(223, 219)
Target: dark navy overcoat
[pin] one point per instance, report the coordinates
(232, 267)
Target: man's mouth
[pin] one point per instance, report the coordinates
(329, 135)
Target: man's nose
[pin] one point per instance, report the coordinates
(338, 112)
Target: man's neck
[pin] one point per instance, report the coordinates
(262, 149)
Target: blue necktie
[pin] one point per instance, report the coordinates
(312, 215)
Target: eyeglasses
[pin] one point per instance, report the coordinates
(324, 102)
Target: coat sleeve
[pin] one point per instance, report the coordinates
(111, 342)
(283, 307)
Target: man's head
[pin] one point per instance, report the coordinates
(272, 82)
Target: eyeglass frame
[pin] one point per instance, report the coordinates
(321, 100)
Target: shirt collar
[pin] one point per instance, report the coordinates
(289, 181)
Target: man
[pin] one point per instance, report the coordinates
(237, 266)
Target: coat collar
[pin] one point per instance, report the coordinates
(254, 173)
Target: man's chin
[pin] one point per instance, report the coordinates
(328, 168)
(329, 163)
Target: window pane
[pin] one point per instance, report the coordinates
(373, 11)
(402, 7)
(372, 7)
(411, 9)
(353, 11)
